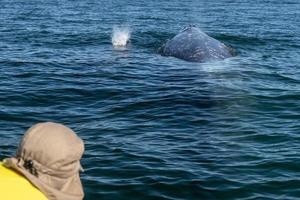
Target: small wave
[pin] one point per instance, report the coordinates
(120, 36)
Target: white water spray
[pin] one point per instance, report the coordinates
(120, 36)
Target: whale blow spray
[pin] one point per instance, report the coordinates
(120, 36)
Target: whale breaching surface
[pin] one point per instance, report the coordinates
(120, 36)
(191, 44)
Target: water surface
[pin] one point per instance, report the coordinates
(159, 127)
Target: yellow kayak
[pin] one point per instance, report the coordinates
(14, 186)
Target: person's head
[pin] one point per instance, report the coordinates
(49, 157)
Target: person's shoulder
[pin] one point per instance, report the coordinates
(14, 186)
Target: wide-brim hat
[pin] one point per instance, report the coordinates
(49, 157)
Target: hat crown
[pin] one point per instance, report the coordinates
(52, 145)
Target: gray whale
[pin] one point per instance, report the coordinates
(191, 44)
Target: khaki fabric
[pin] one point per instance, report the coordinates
(49, 157)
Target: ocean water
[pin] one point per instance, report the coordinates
(158, 127)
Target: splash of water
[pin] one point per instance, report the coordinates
(120, 36)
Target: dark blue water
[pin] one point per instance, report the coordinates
(158, 127)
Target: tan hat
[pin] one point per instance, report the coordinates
(49, 157)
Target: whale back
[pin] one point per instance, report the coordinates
(192, 44)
